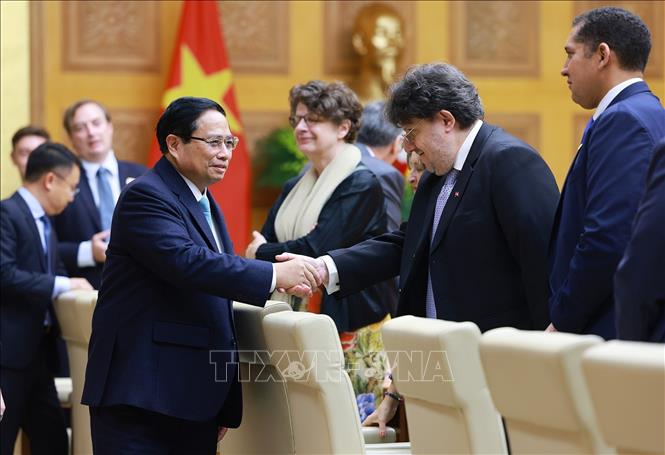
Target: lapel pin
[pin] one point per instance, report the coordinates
(456, 194)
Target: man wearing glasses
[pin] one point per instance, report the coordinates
(162, 373)
(83, 228)
(31, 276)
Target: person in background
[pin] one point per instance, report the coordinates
(31, 276)
(83, 228)
(24, 141)
(337, 202)
(416, 170)
(607, 51)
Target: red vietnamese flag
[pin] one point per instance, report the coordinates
(200, 67)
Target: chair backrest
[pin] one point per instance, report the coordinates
(436, 366)
(537, 385)
(627, 385)
(74, 311)
(309, 356)
(265, 404)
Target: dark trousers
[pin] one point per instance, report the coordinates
(33, 405)
(125, 430)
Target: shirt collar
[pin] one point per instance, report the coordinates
(35, 207)
(613, 93)
(466, 145)
(110, 163)
(194, 189)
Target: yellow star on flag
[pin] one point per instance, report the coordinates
(195, 82)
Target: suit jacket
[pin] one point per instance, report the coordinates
(639, 284)
(392, 183)
(354, 212)
(598, 203)
(26, 284)
(80, 221)
(162, 331)
(488, 256)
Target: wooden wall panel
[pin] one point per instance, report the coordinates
(133, 133)
(525, 126)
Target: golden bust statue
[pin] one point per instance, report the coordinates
(377, 38)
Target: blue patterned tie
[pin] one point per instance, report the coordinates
(205, 206)
(106, 203)
(448, 184)
(47, 237)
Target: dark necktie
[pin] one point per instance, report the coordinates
(106, 204)
(47, 238)
(444, 194)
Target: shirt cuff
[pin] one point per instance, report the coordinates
(84, 257)
(60, 285)
(273, 283)
(332, 285)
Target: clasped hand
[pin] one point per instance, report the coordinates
(299, 275)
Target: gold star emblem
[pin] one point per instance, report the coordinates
(195, 82)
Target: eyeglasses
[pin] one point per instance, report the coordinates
(74, 190)
(309, 119)
(409, 137)
(230, 142)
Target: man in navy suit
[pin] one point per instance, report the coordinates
(639, 284)
(161, 374)
(31, 276)
(83, 228)
(379, 142)
(607, 52)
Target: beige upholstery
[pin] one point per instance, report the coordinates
(266, 421)
(627, 385)
(537, 385)
(74, 310)
(436, 366)
(309, 355)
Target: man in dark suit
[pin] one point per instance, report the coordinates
(31, 276)
(24, 141)
(379, 142)
(161, 374)
(83, 228)
(639, 284)
(475, 245)
(607, 52)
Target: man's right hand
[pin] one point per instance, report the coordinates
(79, 284)
(297, 275)
(99, 245)
(317, 263)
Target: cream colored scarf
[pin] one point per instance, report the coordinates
(300, 210)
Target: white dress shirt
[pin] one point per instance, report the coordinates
(613, 93)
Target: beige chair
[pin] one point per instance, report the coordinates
(307, 352)
(627, 385)
(436, 367)
(537, 385)
(266, 421)
(74, 310)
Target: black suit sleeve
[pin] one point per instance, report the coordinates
(353, 213)
(525, 196)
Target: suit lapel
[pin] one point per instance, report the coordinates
(32, 228)
(180, 188)
(463, 179)
(218, 217)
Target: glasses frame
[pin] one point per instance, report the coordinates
(294, 120)
(234, 139)
(411, 140)
(74, 191)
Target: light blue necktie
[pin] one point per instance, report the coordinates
(205, 206)
(47, 237)
(448, 184)
(106, 204)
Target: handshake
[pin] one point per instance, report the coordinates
(299, 275)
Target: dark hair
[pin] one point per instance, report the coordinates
(428, 89)
(623, 31)
(70, 112)
(376, 130)
(335, 102)
(48, 157)
(29, 130)
(181, 116)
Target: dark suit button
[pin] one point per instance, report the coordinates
(413, 256)
(399, 290)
